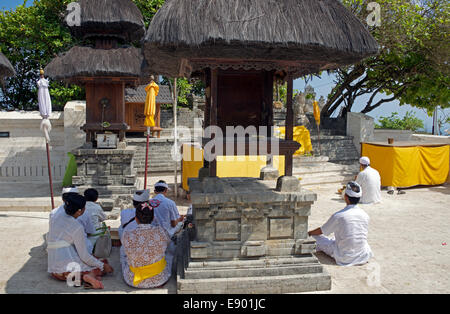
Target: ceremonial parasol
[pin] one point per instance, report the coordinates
(152, 90)
(317, 118)
(45, 109)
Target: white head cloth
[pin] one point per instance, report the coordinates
(352, 193)
(364, 161)
(162, 184)
(70, 190)
(141, 196)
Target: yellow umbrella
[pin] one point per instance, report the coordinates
(152, 90)
(316, 112)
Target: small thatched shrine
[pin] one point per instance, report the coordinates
(251, 238)
(6, 68)
(106, 65)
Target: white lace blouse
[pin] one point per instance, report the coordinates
(66, 245)
(144, 246)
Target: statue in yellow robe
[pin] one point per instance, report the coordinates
(152, 90)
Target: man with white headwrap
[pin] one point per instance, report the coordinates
(84, 219)
(350, 227)
(370, 181)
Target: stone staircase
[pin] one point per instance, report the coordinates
(338, 148)
(160, 157)
(319, 170)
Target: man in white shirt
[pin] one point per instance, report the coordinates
(350, 227)
(166, 213)
(84, 219)
(370, 181)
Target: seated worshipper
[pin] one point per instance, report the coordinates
(127, 216)
(67, 249)
(370, 181)
(84, 220)
(167, 214)
(350, 227)
(145, 265)
(95, 212)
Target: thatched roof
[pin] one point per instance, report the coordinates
(90, 62)
(316, 34)
(110, 17)
(6, 68)
(138, 95)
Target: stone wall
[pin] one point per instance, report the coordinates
(361, 127)
(23, 156)
(382, 135)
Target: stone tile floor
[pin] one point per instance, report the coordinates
(409, 235)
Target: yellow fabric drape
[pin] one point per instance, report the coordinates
(316, 112)
(149, 271)
(152, 90)
(301, 135)
(227, 166)
(409, 166)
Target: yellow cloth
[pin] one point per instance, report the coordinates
(152, 90)
(301, 135)
(149, 271)
(227, 166)
(409, 166)
(317, 112)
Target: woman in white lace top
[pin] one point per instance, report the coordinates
(66, 246)
(145, 265)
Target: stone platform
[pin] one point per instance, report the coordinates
(250, 239)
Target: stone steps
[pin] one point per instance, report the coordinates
(256, 285)
(253, 272)
(318, 171)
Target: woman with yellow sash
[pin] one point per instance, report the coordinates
(145, 265)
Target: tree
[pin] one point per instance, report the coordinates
(408, 122)
(30, 37)
(412, 65)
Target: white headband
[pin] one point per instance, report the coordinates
(352, 193)
(141, 196)
(70, 190)
(161, 184)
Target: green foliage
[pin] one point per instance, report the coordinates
(185, 89)
(148, 9)
(408, 122)
(30, 37)
(412, 66)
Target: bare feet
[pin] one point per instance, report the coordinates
(96, 284)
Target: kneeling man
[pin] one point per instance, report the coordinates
(350, 227)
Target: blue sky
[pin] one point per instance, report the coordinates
(322, 87)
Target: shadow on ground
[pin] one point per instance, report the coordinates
(33, 278)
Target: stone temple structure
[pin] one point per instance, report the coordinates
(105, 65)
(251, 234)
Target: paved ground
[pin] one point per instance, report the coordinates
(409, 234)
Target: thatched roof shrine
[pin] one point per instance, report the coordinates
(6, 68)
(120, 18)
(90, 62)
(298, 36)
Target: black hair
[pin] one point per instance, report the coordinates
(353, 200)
(137, 203)
(91, 195)
(160, 189)
(144, 213)
(74, 202)
(66, 195)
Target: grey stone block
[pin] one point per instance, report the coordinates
(269, 173)
(287, 184)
